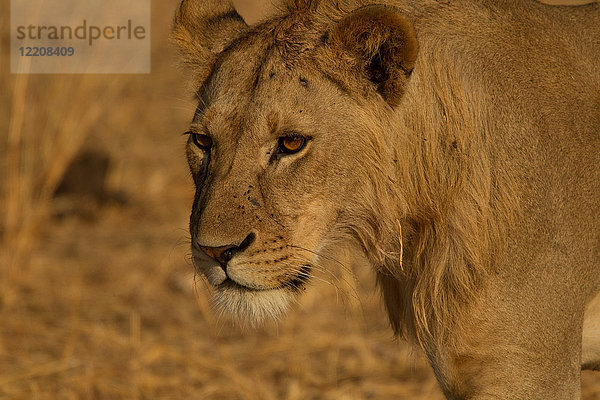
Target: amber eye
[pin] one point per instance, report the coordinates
(291, 144)
(201, 140)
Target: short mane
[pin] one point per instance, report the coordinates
(451, 201)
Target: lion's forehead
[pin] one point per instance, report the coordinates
(258, 60)
(269, 96)
(258, 79)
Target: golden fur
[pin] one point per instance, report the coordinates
(460, 158)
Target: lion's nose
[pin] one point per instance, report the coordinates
(223, 254)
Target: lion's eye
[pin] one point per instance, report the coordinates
(201, 140)
(291, 144)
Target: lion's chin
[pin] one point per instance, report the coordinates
(249, 306)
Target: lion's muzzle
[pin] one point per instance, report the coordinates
(213, 260)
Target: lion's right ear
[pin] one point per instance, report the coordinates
(202, 29)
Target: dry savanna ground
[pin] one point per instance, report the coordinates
(97, 294)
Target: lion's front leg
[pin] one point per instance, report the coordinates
(517, 342)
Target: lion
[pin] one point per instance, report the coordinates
(453, 146)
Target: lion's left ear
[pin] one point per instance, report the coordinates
(382, 44)
(202, 29)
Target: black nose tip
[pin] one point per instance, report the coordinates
(224, 254)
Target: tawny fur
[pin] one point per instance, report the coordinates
(474, 125)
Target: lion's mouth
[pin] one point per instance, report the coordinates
(297, 283)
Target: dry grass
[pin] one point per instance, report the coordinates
(106, 307)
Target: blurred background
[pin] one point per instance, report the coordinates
(98, 298)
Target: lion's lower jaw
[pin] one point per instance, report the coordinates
(252, 307)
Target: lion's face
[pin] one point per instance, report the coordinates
(278, 149)
(279, 176)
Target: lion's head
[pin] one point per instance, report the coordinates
(288, 145)
(321, 129)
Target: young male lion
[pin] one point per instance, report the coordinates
(453, 145)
